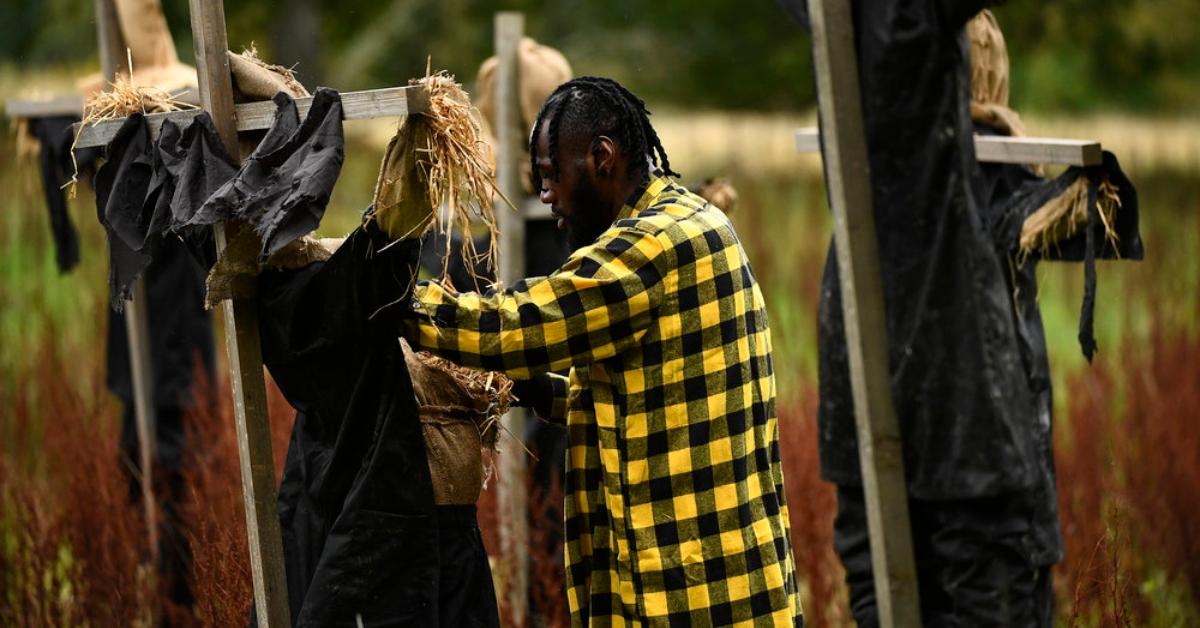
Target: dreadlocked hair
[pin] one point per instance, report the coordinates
(599, 106)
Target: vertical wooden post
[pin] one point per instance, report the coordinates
(141, 366)
(242, 345)
(879, 440)
(111, 44)
(510, 142)
(108, 38)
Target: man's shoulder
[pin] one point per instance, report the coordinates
(674, 214)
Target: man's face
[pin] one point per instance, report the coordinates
(573, 197)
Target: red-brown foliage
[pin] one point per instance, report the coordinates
(544, 548)
(214, 508)
(812, 505)
(75, 540)
(1129, 477)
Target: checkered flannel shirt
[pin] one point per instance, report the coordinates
(675, 510)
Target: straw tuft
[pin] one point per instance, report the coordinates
(121, 100)
(1064, 215)
(454, 162)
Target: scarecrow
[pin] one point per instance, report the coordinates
(385, 461)
(958, 243)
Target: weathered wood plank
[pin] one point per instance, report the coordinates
(510, 138)
(50, 107)
(1037, 150)
(879, 441)
(375, 103)
(137, 319)
(71, 105)
(1003, 150)
(242, 345)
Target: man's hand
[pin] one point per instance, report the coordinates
(402, 206)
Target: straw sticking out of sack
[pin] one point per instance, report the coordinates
(122, 99)
(454, 164)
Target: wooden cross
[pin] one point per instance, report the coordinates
(241, 314)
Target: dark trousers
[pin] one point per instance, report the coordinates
(972, 564)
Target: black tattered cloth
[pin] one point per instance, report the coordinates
(187, 181)
(363, 540)
(361, 534)
(56, 166)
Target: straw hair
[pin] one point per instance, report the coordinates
(1064, 215)
(989, 60)
(445, 148)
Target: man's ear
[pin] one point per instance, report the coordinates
(602, 159)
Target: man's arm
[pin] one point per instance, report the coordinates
(598, 304)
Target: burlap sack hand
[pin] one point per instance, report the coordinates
(402, 205)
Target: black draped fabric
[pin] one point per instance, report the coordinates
(54, 161)
(362, 537)
(282, 188)
(133, 189)
(966, 412)
(147, 191)
(1014, 193)
(969, 375)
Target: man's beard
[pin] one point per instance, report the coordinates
(589, 218)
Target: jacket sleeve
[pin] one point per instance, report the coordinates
(600, 302)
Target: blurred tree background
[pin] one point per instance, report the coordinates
(1068, 56)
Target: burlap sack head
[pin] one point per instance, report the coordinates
(542, 70)
(151, 50)
(254, 79)
(989, 76)
(401, 200)
(146, 34)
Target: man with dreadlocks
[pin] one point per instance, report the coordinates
(674, 507)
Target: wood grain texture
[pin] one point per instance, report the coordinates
(510, 139)
(879, 440)
(1003, 150)
(256, 116)
(242, 346)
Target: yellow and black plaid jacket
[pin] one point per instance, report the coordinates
(675, 510)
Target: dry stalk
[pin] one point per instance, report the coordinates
(121, 100)
(455, 164)
(1064, 215)
(493, 387)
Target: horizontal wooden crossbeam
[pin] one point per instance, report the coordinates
(374, 103)
(71, 105)
(1004, 150)
(60, 106)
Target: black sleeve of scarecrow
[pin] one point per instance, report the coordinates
(1081, 215)
(53, 140)
(325, 312)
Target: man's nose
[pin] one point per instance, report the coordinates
(546, 195)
